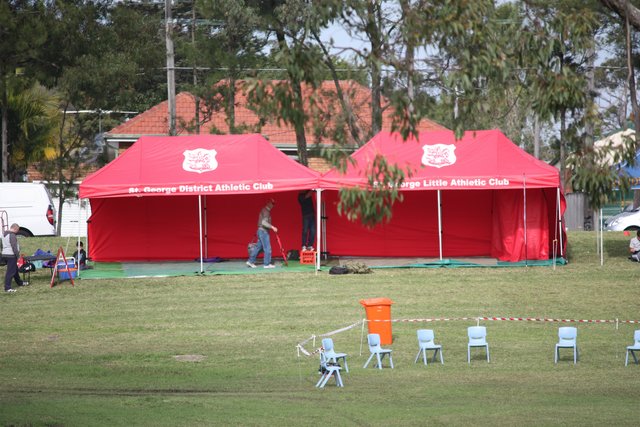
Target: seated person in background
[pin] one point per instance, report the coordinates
(634, 247)
(81, 257)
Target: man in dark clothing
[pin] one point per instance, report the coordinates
(11, 253)
(308, 219)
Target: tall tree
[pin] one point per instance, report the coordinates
(22, 35)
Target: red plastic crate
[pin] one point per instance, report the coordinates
(308, 257)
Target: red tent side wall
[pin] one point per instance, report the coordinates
(166, 227)
(486, 223)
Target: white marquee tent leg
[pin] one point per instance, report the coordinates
(601, 227)
(560, 224)
(524, 214)
(440, 224)
(318, 225)
(200, 231)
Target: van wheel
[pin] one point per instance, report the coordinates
(24, 233)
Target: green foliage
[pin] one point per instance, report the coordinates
(374, 204)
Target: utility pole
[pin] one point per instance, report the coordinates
(171, 80)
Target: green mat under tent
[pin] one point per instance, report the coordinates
(104, 270)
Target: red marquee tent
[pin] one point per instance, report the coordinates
(190, 197)
(478, 196)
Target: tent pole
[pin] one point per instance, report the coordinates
(601, 226)
(318, 223)
(79, 231)
(524, 214)
(560, 225)
(440, 224)
(200, 230)
(206, 229)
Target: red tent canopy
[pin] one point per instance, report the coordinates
(146, 204)
(493, 198)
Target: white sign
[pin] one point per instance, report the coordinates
(200, 160)
(438, 155)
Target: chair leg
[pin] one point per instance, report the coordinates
(391, 360)
(441, 358)
(368, 360)
(338, 378)
(417, 356)
(424, 356)
(555, 356)
(635, 358)
(488, 357)
(319, 383)
(626, 359)
(469, 355)
(575, 355)
(379, 360)
(346, 367)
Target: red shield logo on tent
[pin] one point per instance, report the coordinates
(200, 160)
(438, 155)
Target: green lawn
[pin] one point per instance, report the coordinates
(102, 352)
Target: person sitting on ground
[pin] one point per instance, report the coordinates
(81, 257)
(634, 247)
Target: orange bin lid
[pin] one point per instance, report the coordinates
(370, 302)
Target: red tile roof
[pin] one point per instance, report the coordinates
(324, 109)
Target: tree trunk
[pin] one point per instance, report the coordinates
(354, 129)
(231, 105)
(298, 105)
(632, 82)
(373, 33)
(536, 137)
(563, 127)
(5, 138)
(171, 81)
(624, 9)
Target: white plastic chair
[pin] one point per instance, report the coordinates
(477, 338)
(328, 370)
(425, 343)
(633, 348)
(377, 351)
(332, 355)
(567, 337)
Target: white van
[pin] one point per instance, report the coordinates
(30, 206)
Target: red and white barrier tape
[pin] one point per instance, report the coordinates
(300, 346)
(516, 319)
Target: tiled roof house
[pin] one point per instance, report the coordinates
(155, 120)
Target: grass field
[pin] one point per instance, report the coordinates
(103, 352)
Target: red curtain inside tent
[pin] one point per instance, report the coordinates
(475, 223)
(166, 228)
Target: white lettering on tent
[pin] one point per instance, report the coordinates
(232, 187)
(167, 190)
(196, 188)
(262, 186)
(435, 182)
(468, 182)
(200, 160)
(497, 182)
(439, 155)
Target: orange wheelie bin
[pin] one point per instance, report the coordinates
(378, 311)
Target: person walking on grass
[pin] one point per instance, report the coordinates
(264, 243)
(10, 254)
